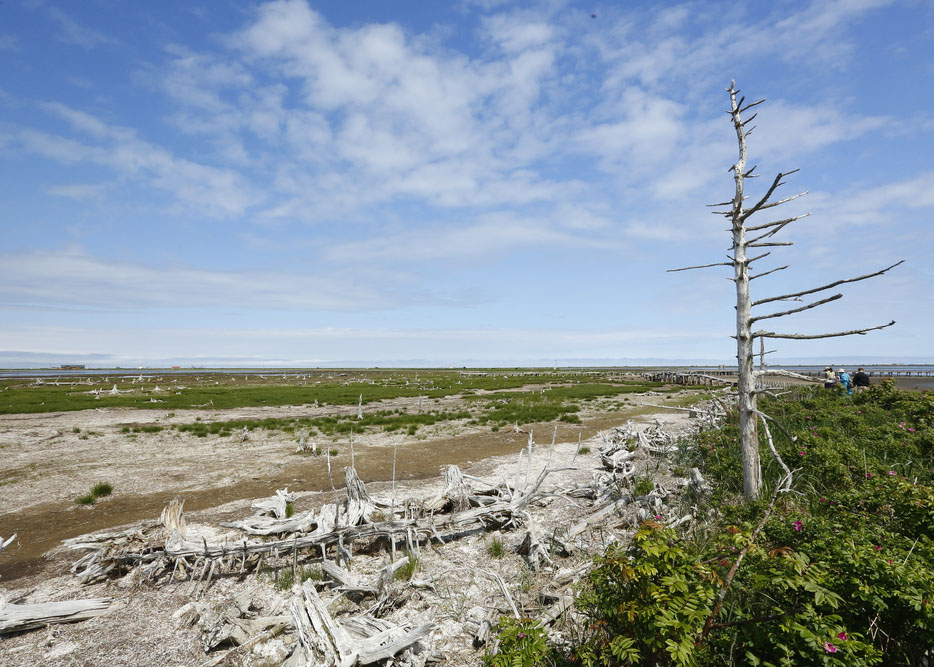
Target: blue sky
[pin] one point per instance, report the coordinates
(302, 183)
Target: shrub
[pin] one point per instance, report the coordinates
(87, 499)
(102, 489)
(522, 643)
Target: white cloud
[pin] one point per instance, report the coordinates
(75, 280)
(217, 191)
(71, 32)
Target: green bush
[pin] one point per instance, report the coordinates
(522, 643)
(102, 489)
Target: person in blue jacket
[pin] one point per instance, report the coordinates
(844, 378)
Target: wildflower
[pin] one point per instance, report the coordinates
(868, 475)
(801, 453)
(822, 500)
(841, 636)
(888, 560)
(521, 635)
(658, 516)
(878, 547)
(891, 472)
(798, 525)
(830, 648)
(911, 430)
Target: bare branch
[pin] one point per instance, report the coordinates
(777, 227)
(765, 198)
(772, 334)
(784, 222)
(749, 106)
(770, 244)
(827, 286)
(797, 310)
(759, 275)
(790, 374)
(783, 201)
(749, 261)
(748, 120)
(723, 203)
(768, 434)
(703, 266)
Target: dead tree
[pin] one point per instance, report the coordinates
(747, 240)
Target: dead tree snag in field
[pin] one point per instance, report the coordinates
(747, 240)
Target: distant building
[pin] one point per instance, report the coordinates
(72, 367)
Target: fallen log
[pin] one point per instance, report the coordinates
(19, 617)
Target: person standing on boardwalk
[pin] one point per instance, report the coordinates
(830, 380)
(860, 380)
(845, 381)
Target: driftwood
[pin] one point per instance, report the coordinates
(361, 641)
(336, 527)
(277, 506)
(18, 617)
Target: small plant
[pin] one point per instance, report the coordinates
(496, 548)
(76, 429)
(313, 573)
(643, 485)
(102, 489)
(405, 572)
(522, 643)
(285, 580)
(333, 451)
(585, 450)
(289, 510)
(87, 499)
(378, 516)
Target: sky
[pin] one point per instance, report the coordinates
(304, 183)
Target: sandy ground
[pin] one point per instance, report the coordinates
(45, 463)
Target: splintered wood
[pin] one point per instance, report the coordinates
(350, 565)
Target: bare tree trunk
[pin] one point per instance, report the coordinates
(749, 440)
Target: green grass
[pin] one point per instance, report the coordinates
(405, 572)
(102, 489)
(496, 548)
(87, 499)
(643, 485)
(331, 388)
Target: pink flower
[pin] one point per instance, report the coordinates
(823, 500)
(841, 636)
(891, 472)
(878, 547)
(912, 430)
(798, 525)
(801, 453)
(830, 648)
(868, 475)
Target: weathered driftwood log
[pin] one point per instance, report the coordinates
(144, 546)
(359, 641)
(455, 495)
(232, 627)
(531, 548)
(18, 617)
(267, 525)
(358, 507)
(277, 506)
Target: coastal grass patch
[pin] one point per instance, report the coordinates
(234, 390)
